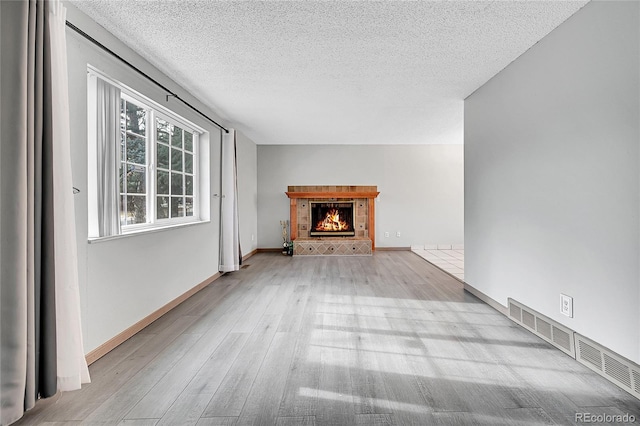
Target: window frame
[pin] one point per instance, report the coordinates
(155, 111)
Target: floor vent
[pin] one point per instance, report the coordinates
(543, 327)
(619, 370)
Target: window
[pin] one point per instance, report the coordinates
(159, 166)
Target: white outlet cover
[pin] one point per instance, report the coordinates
(566, 305)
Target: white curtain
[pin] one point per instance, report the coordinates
(104, 152)
(230, 256)
(71, 364)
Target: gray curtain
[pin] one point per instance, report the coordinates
(27, 291)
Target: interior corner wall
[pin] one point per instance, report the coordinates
(552, 177)
(124, 280)
(421, 187)
(247, 155)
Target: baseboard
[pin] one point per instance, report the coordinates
(393, 248)
(486, 299)
(269, 250)
(247, 256)
(120, 338)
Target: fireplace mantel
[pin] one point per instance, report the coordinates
(334, 192)
(323, 195)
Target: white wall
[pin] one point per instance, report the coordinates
(421, 187)
(126, 279)
(247, 153)
(552, 177)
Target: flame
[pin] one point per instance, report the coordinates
(332, 222)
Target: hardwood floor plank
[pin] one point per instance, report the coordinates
(375, 419)
(118, 404)
(262, 403)
(303, 379)
(296, 421)
(235, 387)
(253, 312)
(212, 373)
(158, 400)
(217, 421)
(186, 410)
(335, 393)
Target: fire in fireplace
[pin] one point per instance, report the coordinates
(331, 219)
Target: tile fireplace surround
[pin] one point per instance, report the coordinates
(363, 243)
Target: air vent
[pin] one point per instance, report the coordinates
(529, 319)
(618, 370)
(561, 338)
(543, 327)
(515, 312)
(589, 354)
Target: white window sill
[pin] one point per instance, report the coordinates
(144, 231)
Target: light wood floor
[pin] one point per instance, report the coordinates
(386, 339)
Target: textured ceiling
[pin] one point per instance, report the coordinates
(332, 72)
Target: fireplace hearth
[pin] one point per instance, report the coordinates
(329, 219)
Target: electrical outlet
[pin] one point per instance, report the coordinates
(398, 234)
(252, 237)
(566, 305)
(386, 234)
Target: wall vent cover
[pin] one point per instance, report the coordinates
(613, 367)
(529, 319)
(515, 312)
(562, 338)
(544, 327)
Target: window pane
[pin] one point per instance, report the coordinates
(176, 160)
(136, 149)
(188, 162)
(136, 119)
(162, 207)
(121, 177)
(123, 116)
(177, 207)
(188, 141)
(123, 206)
(136, 179)
(163, 156)
(176, 137)
(163, 130)
(188, 185)
(123, 151)
(188, 206)
(162, 182)
(176, 184)
(136, 209)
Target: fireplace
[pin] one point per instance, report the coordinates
(331, 219)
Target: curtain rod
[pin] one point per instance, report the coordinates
(171, 94)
